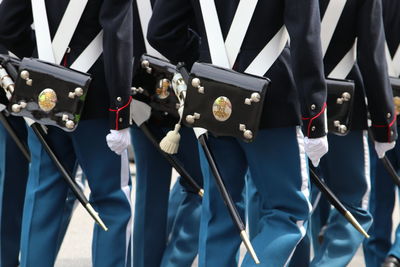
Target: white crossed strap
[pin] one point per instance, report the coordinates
(328, 26)
(145, 11)
(54, 51)
(224, 54)
(393, 63)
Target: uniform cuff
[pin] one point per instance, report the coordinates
(385, 133)
(120, 117)
(315, 126)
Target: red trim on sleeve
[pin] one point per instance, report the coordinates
(388, 126)
(118, 110)
(313, 118)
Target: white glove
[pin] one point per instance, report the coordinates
(382, 148)
(118, 141)
(316, 148)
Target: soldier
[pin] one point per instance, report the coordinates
(276, 159)
(14, 175)
(379, 248)
(346, 166)
(153, 244)
(105, 109)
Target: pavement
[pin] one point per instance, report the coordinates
(76, 252)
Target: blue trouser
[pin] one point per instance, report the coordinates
(320, 215)
(13, 177)
(252, 199)
(277, 164)
(153, 245)
(346, 171)
(383, 194)
(109, 181)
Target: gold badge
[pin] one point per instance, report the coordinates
(47, 99)
(222, 108)
(397, 104)
(162, 90)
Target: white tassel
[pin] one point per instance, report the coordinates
(170, 143)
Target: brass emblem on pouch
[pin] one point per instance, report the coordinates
(162, 90)
(47, 99)
(222, 108)
(397, 104)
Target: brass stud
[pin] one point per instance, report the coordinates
(78, 91)
(18, 107)
(196, 82)
(192, 118)
(69, 124)
(248, 134)
(254, 98)
(65, 117)
(342, 129)
(146, 65)
(24, 74)
(346, 96)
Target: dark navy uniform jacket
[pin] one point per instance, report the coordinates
(112, 73)
(139, 48)
(391, 20)
(362, 19)
(298, 86)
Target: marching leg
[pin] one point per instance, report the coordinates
(13, 178)
(284, 194)
(184, 238)
(45, 199)
(218, 234)
(153, 177)
(109, 181)
(346, 170)
(383, 192)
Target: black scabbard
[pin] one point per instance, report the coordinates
(334, 201)
(230, 204)
(173, 161)
(390, 169)
(10, 130)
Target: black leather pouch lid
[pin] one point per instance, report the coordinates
(225, 102)
(49, 94)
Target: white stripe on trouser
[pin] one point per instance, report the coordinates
(367, 172)
(126, 189)
(305, 186)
